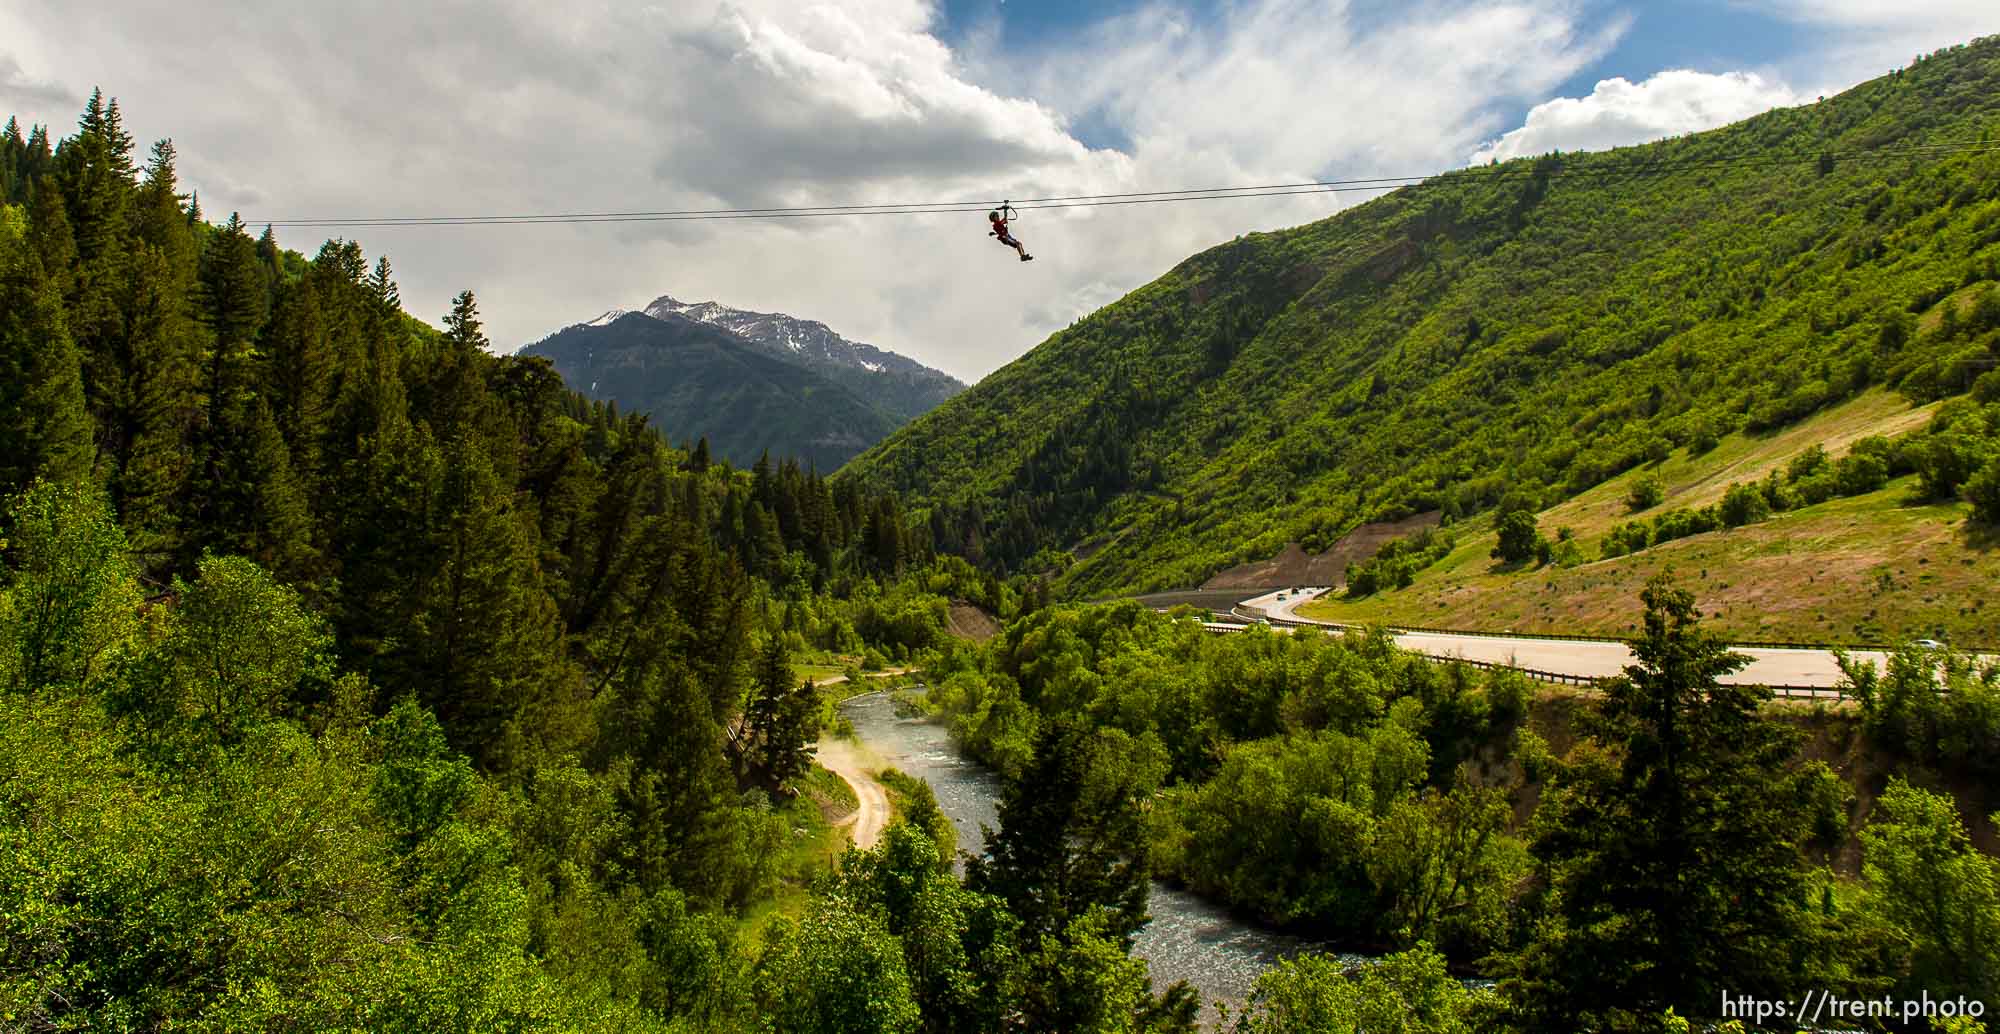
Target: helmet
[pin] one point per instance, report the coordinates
(994, 215)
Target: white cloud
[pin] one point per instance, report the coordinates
(1968, 17)
(1865, 38)
(1619, 112)
(378, 107)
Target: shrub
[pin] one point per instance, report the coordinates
(1519, 538)
(1983, 492)
(1806, 464)
(1818, 488)
(1859, 473)
(1630, 537)
(1986, 389)
(1744, 503)
(1395, 565)
(1647, 492)
(1945, 461)
(1679, 524)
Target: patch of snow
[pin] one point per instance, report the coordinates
(605, 319)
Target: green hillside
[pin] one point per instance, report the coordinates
(1517, 333)
(698, 381)
(1884, 563)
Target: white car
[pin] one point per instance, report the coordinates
(1927, 644)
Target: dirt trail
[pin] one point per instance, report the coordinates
(845, 760)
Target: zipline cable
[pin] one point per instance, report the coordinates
(1593, 167)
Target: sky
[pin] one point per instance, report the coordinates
(403, 108)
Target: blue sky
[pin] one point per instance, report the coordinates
(1715, 36)
(1706, 35)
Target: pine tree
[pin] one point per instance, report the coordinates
(382, 285)
(268, 256)
(1071, 837)
(763, 551)
(455, 401)
(763, 486)
(380, 511)
(161, 342)
(354, 327)
(1673, 855)
(95, 172)
(36, 160)
(13, 155)
(1071, 862)
(118, 144)
(49, 236)
(233, 302)
(279, 532)
(44, 428)
(781, 723)
(487, 640)
(461, 325)
(299, 363)
(157, 404)
(232, 307)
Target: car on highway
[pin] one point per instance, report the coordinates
(1927, 644)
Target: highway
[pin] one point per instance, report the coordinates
(1581, 658)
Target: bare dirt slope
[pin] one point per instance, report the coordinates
(1294, 566)
(971, 622)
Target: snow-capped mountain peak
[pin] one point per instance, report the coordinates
(897, 384)
(808, 339)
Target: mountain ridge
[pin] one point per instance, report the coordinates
(1519, 332)
(697, 380)
(899, 385)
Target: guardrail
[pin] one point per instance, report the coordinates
(1255, 614)
(1754, 644)
(1562, 678)
(1557, 677)
(1806, 692)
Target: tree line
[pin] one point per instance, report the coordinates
(353, 677)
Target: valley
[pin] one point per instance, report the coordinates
(1553, 594)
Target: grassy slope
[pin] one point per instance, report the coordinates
(1864, 569)
(1491, 330)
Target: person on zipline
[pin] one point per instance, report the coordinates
(1000, 230)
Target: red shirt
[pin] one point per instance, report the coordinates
(1000, 226)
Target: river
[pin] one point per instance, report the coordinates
(1189, 938)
